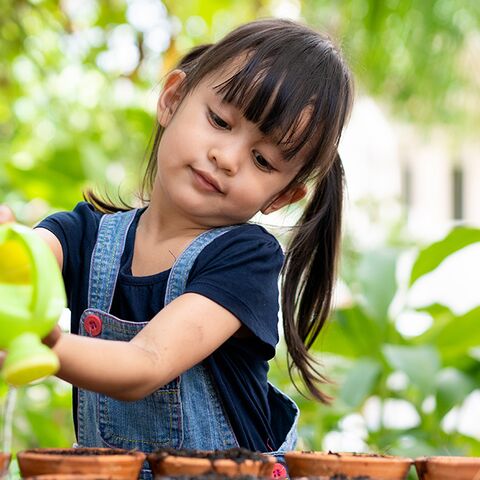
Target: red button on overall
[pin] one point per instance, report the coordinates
(93, 325)
(279, 472)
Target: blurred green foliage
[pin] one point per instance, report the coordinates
(363, 350)
(77, 111)
(418, 56)
(78, 79)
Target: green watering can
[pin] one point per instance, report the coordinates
(32, 298)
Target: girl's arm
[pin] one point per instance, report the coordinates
(181, 335)
(52, 241)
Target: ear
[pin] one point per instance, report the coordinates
(292, 195)
(170, 97)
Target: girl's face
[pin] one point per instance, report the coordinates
(214, 166)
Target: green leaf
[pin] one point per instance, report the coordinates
(454, 336)
(420, 364)
(350, 332)
(452, 388)
(360, 382)
(437, 311)
(442, 316)
(432, 256)
(376, 276)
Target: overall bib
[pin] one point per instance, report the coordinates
(185, 413)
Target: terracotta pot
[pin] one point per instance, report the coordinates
(210, 476)
(70, 476)
(324, 465)
(234, 462)
(448, 468)
(100, 462)
(4, 463)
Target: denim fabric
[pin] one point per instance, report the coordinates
(185, 413)
(286, 413)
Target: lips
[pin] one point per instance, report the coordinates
(207, 180)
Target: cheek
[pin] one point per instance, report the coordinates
(254, 194)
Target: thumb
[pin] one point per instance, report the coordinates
(6, 215)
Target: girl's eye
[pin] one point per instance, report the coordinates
(218, 121)
(262, 163)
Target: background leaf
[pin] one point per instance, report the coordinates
(432, 256)
(452, 387)
(453, 335)
(419, 363)
(360, 381)
(376, 277)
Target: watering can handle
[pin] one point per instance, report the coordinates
(44, 264)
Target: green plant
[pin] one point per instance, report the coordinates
(362, 348)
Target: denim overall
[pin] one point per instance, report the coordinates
(185, 413)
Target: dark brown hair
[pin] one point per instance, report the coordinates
(287, 69)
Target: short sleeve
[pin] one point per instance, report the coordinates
(240, 271)
(71, 228)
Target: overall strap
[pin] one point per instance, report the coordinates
(106, 257)
(177, 280)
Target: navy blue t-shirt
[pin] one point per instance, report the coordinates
(239, 270)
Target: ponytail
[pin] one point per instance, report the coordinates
(309, 275)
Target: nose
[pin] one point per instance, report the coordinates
(226, 159)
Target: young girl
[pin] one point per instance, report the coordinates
(174, 305)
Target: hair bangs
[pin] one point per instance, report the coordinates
(266, 94)
(293, 106)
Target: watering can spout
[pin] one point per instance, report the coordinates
(32, 298)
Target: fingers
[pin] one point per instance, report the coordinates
(6, 215)
(52, 338)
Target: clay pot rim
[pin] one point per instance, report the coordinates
(448, 459)
(265, 457)
(174, 459)
(350, 457)
(69, 476)
(172, 465)
(32, 453)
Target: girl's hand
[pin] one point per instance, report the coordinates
(52, 338)
(6, 215)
